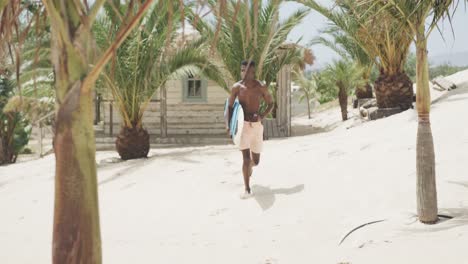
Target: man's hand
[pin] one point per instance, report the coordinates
(268, 99)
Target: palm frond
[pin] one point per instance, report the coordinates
(153, 55)
(380, 36)
(264, 45)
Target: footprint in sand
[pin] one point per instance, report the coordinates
(127, 186)
(336, 153)
(366, 146)
(271, 261)
(218, 212)
(366, 243)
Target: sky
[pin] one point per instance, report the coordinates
(437, 46)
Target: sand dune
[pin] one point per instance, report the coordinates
(182, 205)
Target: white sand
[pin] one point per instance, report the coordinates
(183, 206)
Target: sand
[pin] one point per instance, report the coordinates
(182, 205)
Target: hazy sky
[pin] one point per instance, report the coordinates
(436, 45)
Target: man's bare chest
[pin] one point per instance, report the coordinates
(249, 94)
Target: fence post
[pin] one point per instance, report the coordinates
(97, 110)
(40, 140)
(111, 119)
(163, 111)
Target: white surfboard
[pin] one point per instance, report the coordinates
(237, 121)
(240, 125)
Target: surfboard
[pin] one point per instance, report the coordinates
(237, 121)
(226, 114)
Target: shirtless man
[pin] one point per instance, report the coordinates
(250, 92)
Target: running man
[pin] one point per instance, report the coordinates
(250, 92)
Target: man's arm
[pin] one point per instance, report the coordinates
(232, 98)
(268, 100)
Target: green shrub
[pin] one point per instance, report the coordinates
(14, 128)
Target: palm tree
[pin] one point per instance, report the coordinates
(307, 86)
(7, 19)
(28, 48)
(144, 63)
(348, 49)
(76, 235)
(36, 97)
(251, 30)
(344, 76)
(14, 132)
(19, 20)
(413, 15)
(302, 58)
(36, 69)
(381, 38)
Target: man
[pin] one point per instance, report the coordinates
(250, 92)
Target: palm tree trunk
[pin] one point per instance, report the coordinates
(3, 3)
(2, 154)
(343, 99)
(364, 92)
(76, 232)
(425, 157)
(8, 154)
(308, 105)
(132, 143)
(76, 235)
(394, 90)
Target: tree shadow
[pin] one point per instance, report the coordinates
(459, 98)
(462, 89)
(460, 218)
(266, 196)
(131, 165)
(304, 130)
(461, 183)
(447, 97)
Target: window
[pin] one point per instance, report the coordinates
(194, 89)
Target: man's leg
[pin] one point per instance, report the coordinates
(255, 159)
(257, 144)
(246, 168)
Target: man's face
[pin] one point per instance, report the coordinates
(247, 72)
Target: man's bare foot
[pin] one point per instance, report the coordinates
(246, 195)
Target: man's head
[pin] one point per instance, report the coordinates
(248, 70)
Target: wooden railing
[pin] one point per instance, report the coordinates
(271, 129)
(111, 112)
(41, 121)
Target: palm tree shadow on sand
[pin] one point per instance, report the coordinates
(266, 196)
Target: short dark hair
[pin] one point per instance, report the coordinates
(246, 63)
